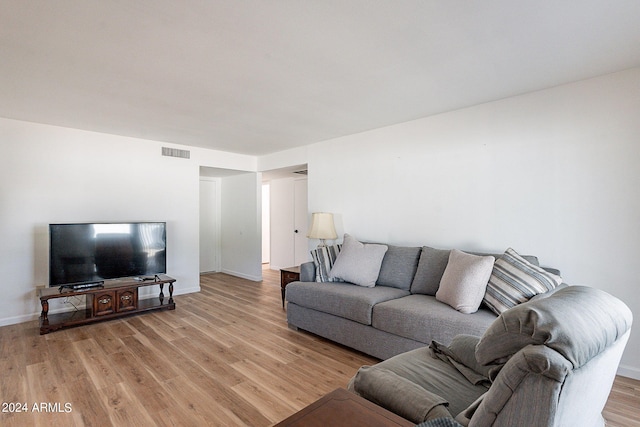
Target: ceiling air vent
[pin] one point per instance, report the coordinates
(175, 152)
(302, 172)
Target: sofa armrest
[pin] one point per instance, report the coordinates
(308, 272)
(399, 395)
(534, 374)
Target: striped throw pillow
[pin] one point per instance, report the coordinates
(323, 258)
(514, 280)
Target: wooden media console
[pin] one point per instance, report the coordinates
(113, 299)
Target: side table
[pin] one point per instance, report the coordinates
(288, 275)
(345, 409)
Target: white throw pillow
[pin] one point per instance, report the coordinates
(358, 263)
(464, 281)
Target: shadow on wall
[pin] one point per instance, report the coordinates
(41, 255)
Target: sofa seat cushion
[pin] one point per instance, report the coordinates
(423, 318)
(341, 299)
(431, 374)
(461, 353)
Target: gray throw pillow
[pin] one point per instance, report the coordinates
(358, 263)
(464, 281)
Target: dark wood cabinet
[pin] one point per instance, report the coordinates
(288, 275)
(103, 303)
(114, 299)
(127, 300)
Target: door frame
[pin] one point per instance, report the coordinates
(217, 245)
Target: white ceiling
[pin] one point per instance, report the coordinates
(262, 76)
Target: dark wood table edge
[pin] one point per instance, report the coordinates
(283, 284)
(342, 394)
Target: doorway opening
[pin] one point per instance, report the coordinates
(285, 217)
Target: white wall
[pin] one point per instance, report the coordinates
(241, 226)
(50, 174)
(283, 159)
(553, 173)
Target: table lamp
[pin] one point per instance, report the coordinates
(322, 227)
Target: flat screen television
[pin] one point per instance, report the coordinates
(91, 253)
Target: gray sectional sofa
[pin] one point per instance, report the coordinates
(549, 362)
(400, 313)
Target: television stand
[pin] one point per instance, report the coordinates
(112, 299)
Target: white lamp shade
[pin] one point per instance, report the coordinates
(322, 226)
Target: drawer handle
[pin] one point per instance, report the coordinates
(125, 297)
(104, 301)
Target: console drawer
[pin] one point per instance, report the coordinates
(104, 303)
(127, 300)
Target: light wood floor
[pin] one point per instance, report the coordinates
(224, 357)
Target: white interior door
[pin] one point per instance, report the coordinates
(301, 222)
(209, 225)
(266, 226)
(288, 213)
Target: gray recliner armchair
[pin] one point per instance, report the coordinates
(547, 362)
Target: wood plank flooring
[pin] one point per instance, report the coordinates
(224, 357)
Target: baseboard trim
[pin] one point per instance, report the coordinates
(19, 319)
(629, 372)
(243, 275)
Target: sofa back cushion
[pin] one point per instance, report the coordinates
(578, 322)
(399, 266)
(430, 269)
(344, 300)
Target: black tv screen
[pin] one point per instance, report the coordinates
(88, 253)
